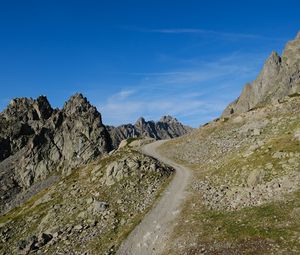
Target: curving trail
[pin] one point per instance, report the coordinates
(151, 235)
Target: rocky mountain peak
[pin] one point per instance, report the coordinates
(37, 141)
(140, 121)
(18, 104)
(291, 53)
(76, 102)
(274, 58)
(25, 109)
(78, 105)
(280, 77)
(168, 119)
(43, 107)
(76, 99)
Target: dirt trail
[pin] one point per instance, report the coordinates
(151, 235)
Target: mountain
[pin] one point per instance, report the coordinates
(62, 188)
(38, 142)
(167, 127)
(89, 211)
(279, 78)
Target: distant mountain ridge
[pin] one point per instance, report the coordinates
(279, 78)
(167, 127)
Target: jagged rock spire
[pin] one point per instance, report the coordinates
(278, 78)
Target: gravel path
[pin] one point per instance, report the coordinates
(151, 235)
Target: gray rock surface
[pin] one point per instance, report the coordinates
(83, 213)
(167, 127)
(37, 141)
(280, 77)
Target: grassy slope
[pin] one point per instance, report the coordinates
(67, 200)
(270, 228)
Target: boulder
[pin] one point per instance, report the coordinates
(255, 177)
(297, 134)
(27, 246)
(100, 206)
(43, 239)
(122, 144)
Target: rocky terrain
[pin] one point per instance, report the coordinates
(245, 191)
(39, 143)
(279, 77)
(65, 188)
(167, 127)
(89, 211)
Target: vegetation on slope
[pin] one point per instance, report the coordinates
(90, 211)
(245, 196)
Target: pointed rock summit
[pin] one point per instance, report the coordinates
(168, 119)
(37, 141)
(78, 104)
(140, 121)
(25, 109)
(279, 78)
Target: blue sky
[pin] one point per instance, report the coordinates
(140, 58)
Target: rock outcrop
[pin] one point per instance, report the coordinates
(96, 206)
(167, 127)
(279, 78)
(37, 141)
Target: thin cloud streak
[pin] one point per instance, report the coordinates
(154, 108)
(204, 32)
(193, 95)
(123, 94)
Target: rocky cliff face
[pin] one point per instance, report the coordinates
(37, 141)
(167, 127)
(279, 77)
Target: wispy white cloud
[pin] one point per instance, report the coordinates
(153, 108)
(194, 95)
(199, 71)
(204, 32)
(123, 94)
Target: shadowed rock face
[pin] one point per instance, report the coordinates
(167, 127)
(279, 78)
(36, 141)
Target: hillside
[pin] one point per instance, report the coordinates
(245, 193)
(63, 189)
(89, 211)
